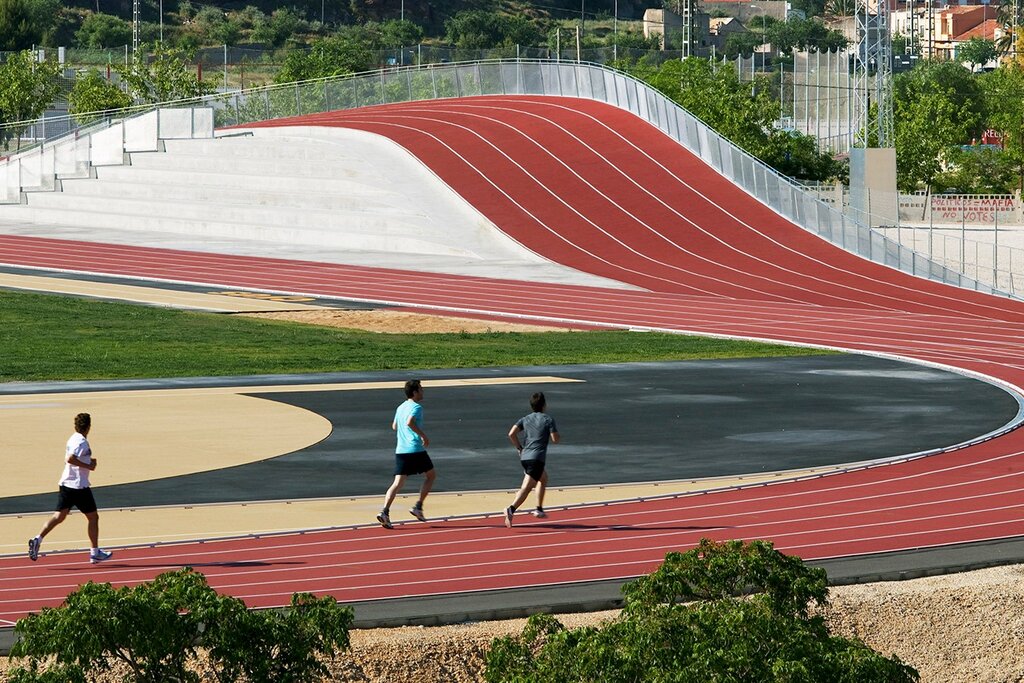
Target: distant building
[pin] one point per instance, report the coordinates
(721, 28)
(948, 26)
(668, 23)
(745, 10)
(990, 29)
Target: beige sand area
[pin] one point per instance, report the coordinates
(142, 435)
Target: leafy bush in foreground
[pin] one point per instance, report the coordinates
(729, 611)
(155, 629)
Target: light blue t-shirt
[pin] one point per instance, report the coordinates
(408, 440)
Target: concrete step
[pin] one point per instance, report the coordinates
(240, 179)
(393, 240)
(297, 168)
(327, 199)
(278, 148)
(367, 218)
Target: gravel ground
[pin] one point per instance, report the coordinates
(957, 628)
(960, 628)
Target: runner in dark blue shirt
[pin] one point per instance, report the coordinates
(538, 429)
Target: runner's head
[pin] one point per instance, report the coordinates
(411, 387)
(82, 423)
(537, 402)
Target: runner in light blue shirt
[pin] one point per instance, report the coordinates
(410, 453)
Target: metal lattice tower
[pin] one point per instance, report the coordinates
(872, 76)
(135, 25)
(685, 9)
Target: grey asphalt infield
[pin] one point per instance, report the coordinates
(630, 422)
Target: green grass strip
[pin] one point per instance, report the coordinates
(49, 337)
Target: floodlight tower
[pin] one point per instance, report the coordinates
(872, 75)
(873, 192)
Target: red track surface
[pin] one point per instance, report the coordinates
(597, 189)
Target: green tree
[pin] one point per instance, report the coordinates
(977, 52)
(744, 113)
(937, 106)
(162, 76)
(742, 44)
(344, 53)
(392, 34)
(277, 28)
(66, 22)
(1003, 93)
(480, 30)
(155, 629)
(899, 43)
(979, 171)
(836, 8)
(633, 40)
(17, 30)
(796, 155)
(215, 26)
(1010, 15)
(685, 622)
(804, 34)
(27, 88)
(43, 15)
(93, 93)
(103, 30)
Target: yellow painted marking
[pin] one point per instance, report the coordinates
(223, 302)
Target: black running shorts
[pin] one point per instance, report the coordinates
(413, 463)
(75, 498)
(534, 468)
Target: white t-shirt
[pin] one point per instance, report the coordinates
(76, 477)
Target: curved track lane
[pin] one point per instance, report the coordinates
(627, 203)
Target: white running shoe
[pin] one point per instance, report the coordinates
(509, 511)
(33, 548)
(385, 520)
(540, 513)
(99, 556)
(417, 512)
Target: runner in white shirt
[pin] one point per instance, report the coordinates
(75, 491)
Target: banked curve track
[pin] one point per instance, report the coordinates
(596, 188)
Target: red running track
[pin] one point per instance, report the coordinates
(600, 190)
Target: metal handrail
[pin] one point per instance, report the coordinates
(592, 81)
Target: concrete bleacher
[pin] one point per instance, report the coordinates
(317, 193)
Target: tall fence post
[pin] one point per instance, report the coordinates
(963, 234)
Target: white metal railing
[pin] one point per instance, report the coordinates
(592, 81)
(577, 79)
(981, 236)
(102, 144)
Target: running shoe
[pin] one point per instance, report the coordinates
(33, 548)
(540, 513)
(385, 520)
(417, 512)
(99, 556)
(509, 511)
